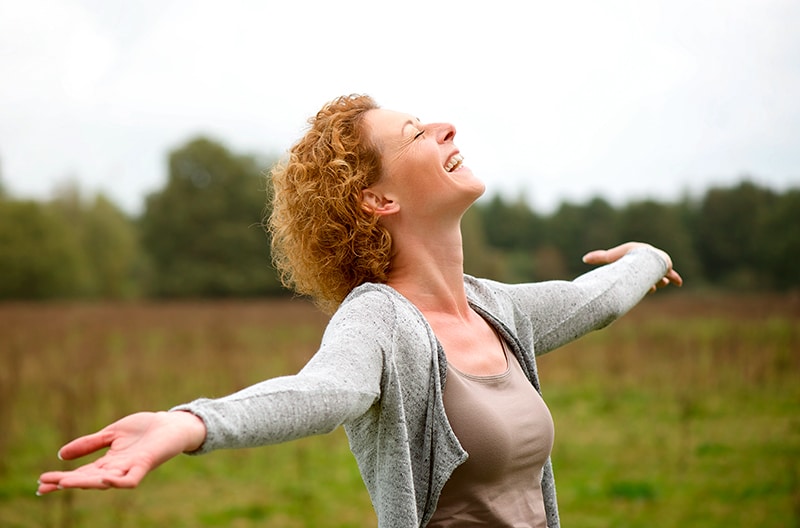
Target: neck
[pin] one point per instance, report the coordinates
(428, 270)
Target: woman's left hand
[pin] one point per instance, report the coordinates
(607, 256)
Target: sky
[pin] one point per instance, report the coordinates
(554, 101)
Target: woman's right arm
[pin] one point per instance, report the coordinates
(339, 383)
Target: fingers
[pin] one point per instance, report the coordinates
(674, 277)
(660, 284)
(55, 481)
(45, 488)
(49, 484)
(130, 480)
(84, 445)
(89, 477)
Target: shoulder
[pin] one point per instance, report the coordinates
(369, 304)
(377, 306)
(496, 297)
(480, 289)
(516, 300)
(376, 298)
(376, 317)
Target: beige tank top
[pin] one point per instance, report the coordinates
(505, 426)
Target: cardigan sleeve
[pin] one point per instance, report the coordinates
(561, 311)
(339, 383)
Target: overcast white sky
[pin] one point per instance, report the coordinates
(563, 99)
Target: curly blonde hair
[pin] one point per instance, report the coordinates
(324, 243)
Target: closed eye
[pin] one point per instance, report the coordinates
(419, 134)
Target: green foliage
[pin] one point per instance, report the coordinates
(112, 243)
(40, 255)
(781, 244)
(201, 236)
(662, 225)
(731, 233)
(744, 238)
(67, 248)
(480, 259)
(203, 231)
(514, 225)
(107, 241)
(576, 229)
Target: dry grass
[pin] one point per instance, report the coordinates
(685, 412)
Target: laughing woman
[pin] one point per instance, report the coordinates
(431, 372)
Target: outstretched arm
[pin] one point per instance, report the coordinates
(136, 444)
(339, 383)
(562, 311)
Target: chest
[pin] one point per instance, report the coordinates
(501, 421)
(473, 348)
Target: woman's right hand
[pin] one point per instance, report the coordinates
(136, 444)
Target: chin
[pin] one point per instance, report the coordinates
(476, 193)
(477, 187)
(467, 178)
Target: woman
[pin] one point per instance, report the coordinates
(431, 372)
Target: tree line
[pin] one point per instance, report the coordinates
(202, 236)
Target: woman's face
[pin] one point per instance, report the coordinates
(423, 170)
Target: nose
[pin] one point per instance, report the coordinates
(445, 132)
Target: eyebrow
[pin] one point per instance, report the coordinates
(410, 122)
(405, 140)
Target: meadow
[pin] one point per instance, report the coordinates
(686, 412)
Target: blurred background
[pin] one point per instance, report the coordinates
(135, 145)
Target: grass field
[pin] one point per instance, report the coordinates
(684, 413)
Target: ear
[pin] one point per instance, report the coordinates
(377, 203)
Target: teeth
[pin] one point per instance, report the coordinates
(454, 163)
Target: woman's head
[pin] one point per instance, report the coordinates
(424, 182)
(324, 242)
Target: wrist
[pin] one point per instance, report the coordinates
(192, 427)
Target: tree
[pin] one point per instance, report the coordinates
(112, 246)
(479, 258)
(40, 256)
(511, 225)
(512, 231)
(730, 234)
(574, 230)
(663, 226)
(781, 247)
(203, 230)
(110, 256)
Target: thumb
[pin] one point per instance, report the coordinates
(598, 256)
(607, 256)
(84, 445)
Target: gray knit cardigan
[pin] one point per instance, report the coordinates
(380, 372)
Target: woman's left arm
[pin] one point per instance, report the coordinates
(562, 311)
